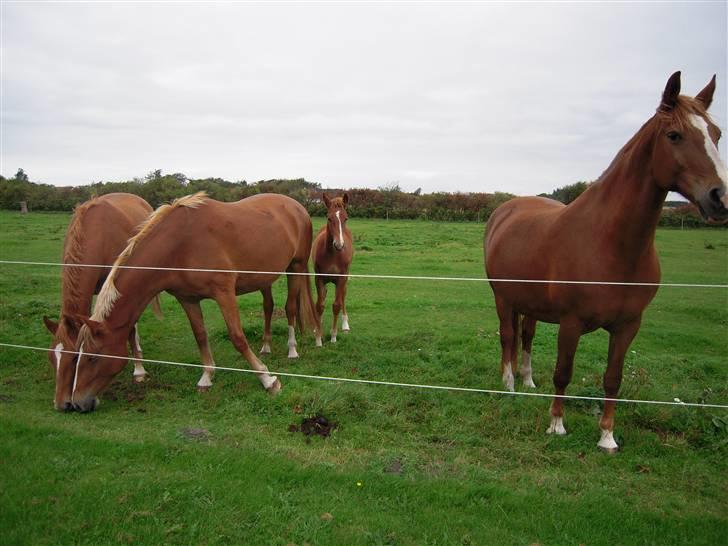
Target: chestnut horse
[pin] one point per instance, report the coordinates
(268, 233)
(605, 235)
(332, 252)
(98, 232)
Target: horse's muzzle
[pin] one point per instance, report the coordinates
(713, 205)
(86, 405)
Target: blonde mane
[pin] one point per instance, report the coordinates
(109, 293)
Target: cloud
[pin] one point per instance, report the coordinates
(466, 97)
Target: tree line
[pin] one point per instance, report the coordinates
(385, 202)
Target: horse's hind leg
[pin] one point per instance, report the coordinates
(507, 341)
(268, 314)
(229, 308)
(619, 341)
(569, 334)
(294, 286)
(197, 323)
(140, 374)
(528, 330)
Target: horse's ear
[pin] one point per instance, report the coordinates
(671, 92)
(327, 201)
(346, 199)
(706, 95)
(52, 325)
(96, 328)
(73, 322)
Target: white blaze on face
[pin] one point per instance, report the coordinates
(75, 376)
(710, 148)
(57, 351)
(341, 230)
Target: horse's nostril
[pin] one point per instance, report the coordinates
(716, 195)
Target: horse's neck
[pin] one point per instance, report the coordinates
(624, 206)
(78, 285)
(136, 287)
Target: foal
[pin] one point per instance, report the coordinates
(332, 252)
(606, 235)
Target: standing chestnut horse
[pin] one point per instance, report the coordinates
(333, 250)
(266, 233)
(98, 232)
(605, 235)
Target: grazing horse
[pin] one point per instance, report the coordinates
(605, 235)
(332, 252)
(98, 232)
(267, 233)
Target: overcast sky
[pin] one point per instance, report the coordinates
(467, 97)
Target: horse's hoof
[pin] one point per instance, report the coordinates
(141, 378)
(319, 343)
(529, 383)
(292, 353)
(275, 388)
(557, 426)
(346, 329)
(265, 349)
(607, 443)
(204, 388)
(333, 339)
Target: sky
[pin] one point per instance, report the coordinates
(471, 97)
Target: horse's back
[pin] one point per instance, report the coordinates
(265, 232)
(521, 220)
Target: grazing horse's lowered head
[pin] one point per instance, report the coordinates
(336, 219)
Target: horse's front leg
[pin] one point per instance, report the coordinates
(619, 341)
(344, 315)
(320, 306)
(197, 323)
(569, 333)
(140, 374)
(229, 307)
(336, 307)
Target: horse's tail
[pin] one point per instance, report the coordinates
(157, 307)
(307, 317)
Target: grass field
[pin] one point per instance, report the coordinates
(161, 463)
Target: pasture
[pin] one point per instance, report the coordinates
(161, 463)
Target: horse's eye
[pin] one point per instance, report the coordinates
(674, 136)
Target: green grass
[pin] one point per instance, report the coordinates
(434, 467)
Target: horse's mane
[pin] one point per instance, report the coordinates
(72, 247)
(109, 294)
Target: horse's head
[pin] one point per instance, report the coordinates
(92, 374)
(65, 334)
(336, 218)
(686, 156)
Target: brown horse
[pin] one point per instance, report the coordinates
(332, 252)
(266, 233)
(98, 232)
(607, 234)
